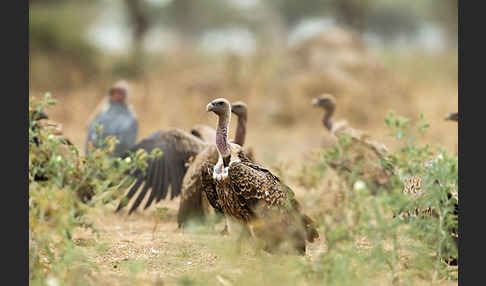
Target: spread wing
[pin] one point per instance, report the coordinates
(177, 148)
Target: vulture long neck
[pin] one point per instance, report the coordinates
(241, 130)
(326, 120)
(222, 138)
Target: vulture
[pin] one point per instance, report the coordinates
(364, 151)
(193, 204)
(249, 193)
(179, 149)
(118, 120)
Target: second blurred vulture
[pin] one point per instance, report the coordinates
(180, 150)
(118, 120)
(363, 152)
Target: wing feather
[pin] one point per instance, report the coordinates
(169, 169)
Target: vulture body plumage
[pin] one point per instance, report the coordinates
(118, 120)
(250, 194)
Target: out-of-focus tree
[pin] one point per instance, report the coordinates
(189, 19)
(393, 19)
(446, 13)
(351, 14)
(140, 22)
(292, 12)
(63, 56)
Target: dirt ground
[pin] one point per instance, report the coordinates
(138, 249)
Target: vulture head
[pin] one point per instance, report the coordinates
(119, 91)
(325, 101)
(219, 106)
(239, 109)
(453, 116)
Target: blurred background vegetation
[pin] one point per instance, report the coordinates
(399, 55)
(95, 37)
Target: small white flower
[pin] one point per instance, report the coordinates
(189, 262)
(50, 137)
(52, 281)
(128, 160)
(58, 158)
(154, 251)
(359, 185)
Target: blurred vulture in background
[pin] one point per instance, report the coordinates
(250, 194)
(179, 150)
(362, 152)
(117, 119)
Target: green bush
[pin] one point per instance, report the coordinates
(363, 234)
(63, 187)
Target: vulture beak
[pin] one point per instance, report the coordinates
(209, 107)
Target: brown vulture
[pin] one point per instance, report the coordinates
(250, 194)
(193, 204)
